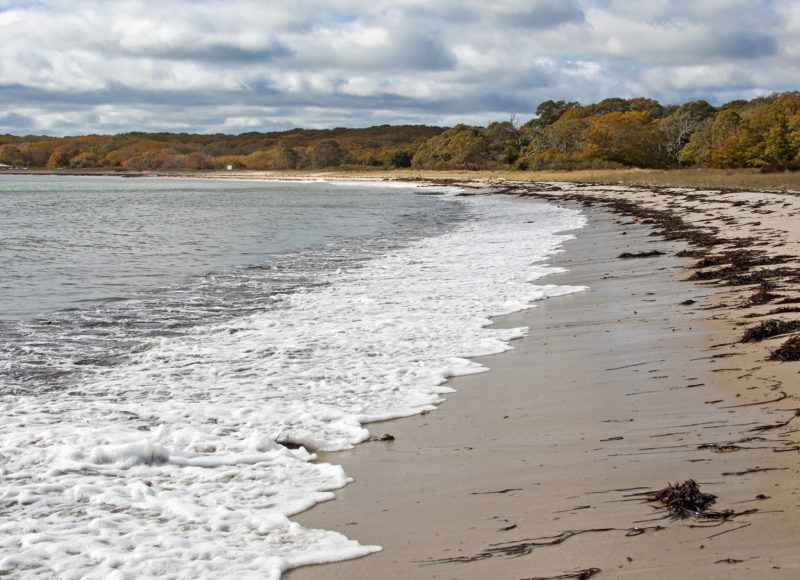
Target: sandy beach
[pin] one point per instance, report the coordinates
(541, 468)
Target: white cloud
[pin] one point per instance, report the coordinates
(219, 65)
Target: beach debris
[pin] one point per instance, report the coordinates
(755, 470)
(510, 489)
(777, 425)
(720, 447)
(782, 310)
(762, 295)
(525, 547)
(574, 509)
(729, 561)
(384, 437)
(288, 443)
(577, 575)
(770, 328)
(788, 351)
(650, 254)
(736, 529)
(782, 396)
(685, 500)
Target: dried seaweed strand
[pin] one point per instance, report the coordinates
(777, 425)
(781, 398)
(577, 575)
(754, 470)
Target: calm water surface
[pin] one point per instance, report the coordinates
(65, 242)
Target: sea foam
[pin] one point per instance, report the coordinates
(188, 459)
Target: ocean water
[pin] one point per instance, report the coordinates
(173, 352)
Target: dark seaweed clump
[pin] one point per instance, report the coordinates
(628, 255)
(763, 294)
(684, 500)
(788, 351)
(770, 328)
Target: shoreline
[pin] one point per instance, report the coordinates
(538, 470)
(687, 177)
(437, 510)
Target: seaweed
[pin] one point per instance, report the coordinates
(685, 500)
(652, 253)
(770, 328)
(762, 295)
(758, 276)
(788, 351)
(781, 310)
(777, 425)
(577, 575)
(525, 547)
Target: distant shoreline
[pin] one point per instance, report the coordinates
(728, 179)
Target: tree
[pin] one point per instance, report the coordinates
(566, 134)
(711, 135)
(460, 147)
(655, 109)
(62, 155)
(287, 157)
(400, 158)
(549, 112)
(629, 138)
(11, 155)
(610, 105)
(326, 153)
(679, 126)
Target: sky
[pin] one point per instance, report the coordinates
(72, 67)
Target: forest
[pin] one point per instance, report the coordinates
(616, 132)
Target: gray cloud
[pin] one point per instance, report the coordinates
(745, 45)
(14, 120)
(219, 53)
(545, 15)
(239, 65)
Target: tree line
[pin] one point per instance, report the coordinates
(639, 132)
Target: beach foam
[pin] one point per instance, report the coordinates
(168, 464)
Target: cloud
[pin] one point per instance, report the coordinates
(542, 15)
(215, 65)
(14, 120)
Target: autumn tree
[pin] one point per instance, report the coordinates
(11, 155)
(771, 134)
(550, 111)
(631, 138)
(62, 155)
(326, 153)
(681, 124)
(459, 147)
(400, 158)
(700, 148)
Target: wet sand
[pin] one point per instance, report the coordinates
(618, 390)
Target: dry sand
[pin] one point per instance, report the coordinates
(618, 390)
